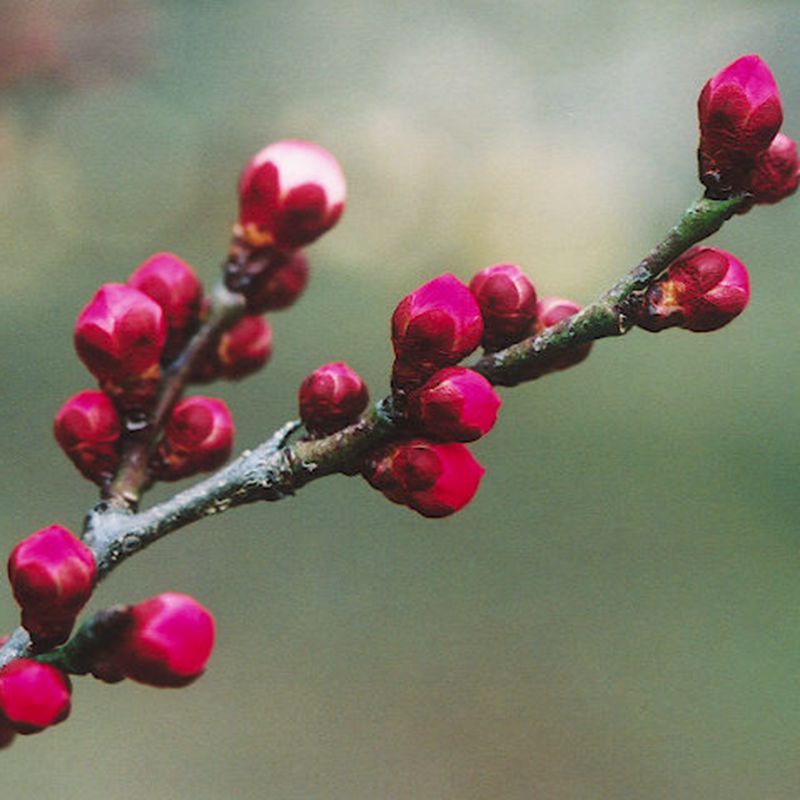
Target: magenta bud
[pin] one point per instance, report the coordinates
(740, 112)
(332, 397)
(279, 286)
(120, 336)
(550, 311)
(173, 284)
(168, 643)
(87, 428)
(435, 326)
(507, 299)
(434, 479)
(777, 171)
(52, 575)
(197, 438)
(33, 696)
(455, 405)
(702, 290)
(290, 193)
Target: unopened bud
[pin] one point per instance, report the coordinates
(33, 696)
(702, 290)
(279, 286)
(332, 397)
(550, 311)
(290, 193)
(455, 405)
(507, 299)
(777, 171)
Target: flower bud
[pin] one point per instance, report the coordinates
(278, 286)
(33, 696)
(702, 290)
(455, 405)
(173, 284)
(87, 428)
(432, 478)
(777, 171)
(244, 348)
(168, 643)
(332, 397)
(290, 193)
(197, 438)
(740, 112)
(120, 336)
(435, 326)
(550, 311)
(507, 300)
(52, 574)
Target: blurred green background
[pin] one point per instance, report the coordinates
(617, 614)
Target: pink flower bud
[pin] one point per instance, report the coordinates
(33, 696)
(702, 290)
(197, 438)
(507, 300)
(290, 193)
(244, 348)
(120, 336)
(332, 397)
(777, 171)
(87, 428)
(169, 641)
(435, 326)
(455, 405)
(740, 112)
(52, 574)
(550, 311)
(280, 285)
(432, 478)
(173, 284)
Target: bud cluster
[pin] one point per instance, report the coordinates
(740, 150)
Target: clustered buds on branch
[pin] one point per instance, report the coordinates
(145, 340)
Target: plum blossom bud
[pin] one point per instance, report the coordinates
(87, 428)
(777, 171)
(455, 405)
(33, 696)
(507, 299)
(435, 326)
(702, 290)
(740, 112)
(52, 575)
(432, 478)
(173, 284)
(332, 397)
(168, 643)
(290, 193)
(279, 285)
(550, 311)
(197, 438)
(244, 348)
(120, 336)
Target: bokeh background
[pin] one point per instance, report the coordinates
(617, 614)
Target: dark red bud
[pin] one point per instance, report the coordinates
(280, 285)
(332, 397)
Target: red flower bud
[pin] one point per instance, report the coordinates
(290, 193)
(197, 438)
(33, 696)
(244, 348)
(435, 326)
(455, 405)
(507, 300)
(52, 575)
(702, 290)
(332, 397)
(87, 428)
(777, 171)
(740, 112)
(169, 641)
(279, 286)
(119, 336)
(173, 284)
(434, 479)
(550, 311)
